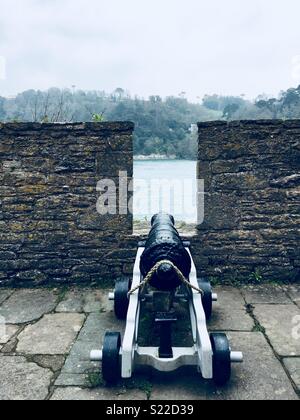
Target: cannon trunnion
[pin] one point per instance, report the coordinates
(165, 278)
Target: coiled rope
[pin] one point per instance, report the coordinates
(153, 271)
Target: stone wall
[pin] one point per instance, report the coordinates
(50, 231)
(252, 201)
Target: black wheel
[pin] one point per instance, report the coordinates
(221, 359)
(207, 298)
(111, 367)
(121, 297)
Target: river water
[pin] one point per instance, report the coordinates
(165, 185)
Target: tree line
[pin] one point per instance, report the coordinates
(163, 126)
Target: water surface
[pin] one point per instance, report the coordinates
(165, 185)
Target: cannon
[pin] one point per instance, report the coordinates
(165, 282)
(164, 243)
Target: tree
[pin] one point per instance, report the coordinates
(290, 102)
(270, 105)
(162, 126)
(2, 111)
(219, 103)
(230, 110)
(119, 93)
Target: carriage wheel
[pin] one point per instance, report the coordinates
(111, 367)
(221, 359)
(121, 297)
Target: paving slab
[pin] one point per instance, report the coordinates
(95, 301)
(91, 337)
(62, 341)
(79, 394)
(10, 347)
(28, 305)
(4, 294)
(265, 294)
(21, 380)
(8, 332)
(226, 319)
(230, 296)
(78, 362)
(293, 291)
(55, 363)
(280, 323)
(72, 302)
(69, 379)
(293, 367)
(84, 300)
(260, 377)
(184, 385)
(54, 334)
(229, 313)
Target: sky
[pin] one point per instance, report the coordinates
(151, 47)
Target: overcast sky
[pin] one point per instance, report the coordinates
(151, 46)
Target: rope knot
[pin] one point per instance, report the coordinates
(154, 270)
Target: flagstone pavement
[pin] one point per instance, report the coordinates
(46, 336)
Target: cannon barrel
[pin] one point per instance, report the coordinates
(164, 243)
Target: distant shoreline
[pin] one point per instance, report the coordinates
(142, 227)
(159, 157)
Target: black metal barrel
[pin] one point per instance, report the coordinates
(164, 243)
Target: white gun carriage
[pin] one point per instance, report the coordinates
(165, 276)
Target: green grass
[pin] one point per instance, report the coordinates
(140, 383)
(94, 380)
(62, 292)
(258, 328)
(256, 277)
(233, 281)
